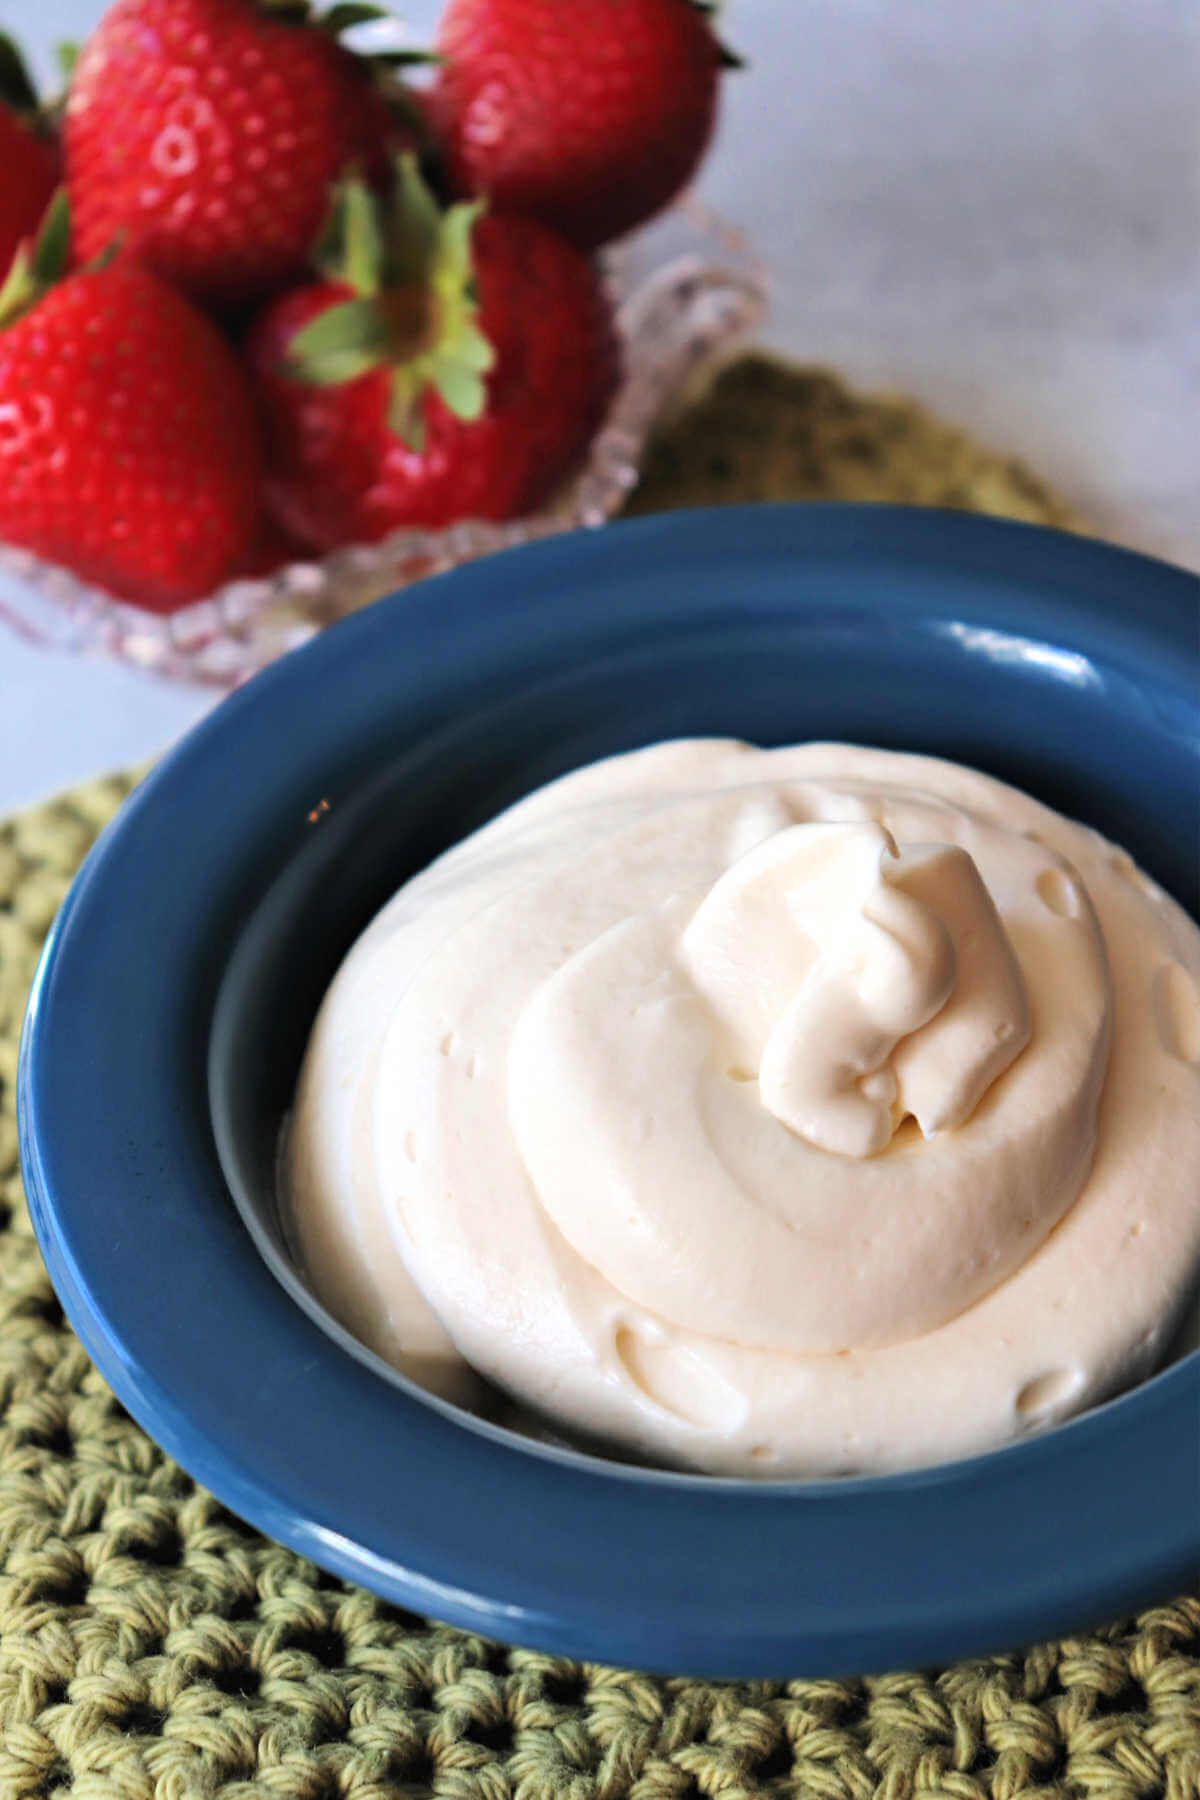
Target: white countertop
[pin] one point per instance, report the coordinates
(994, 206)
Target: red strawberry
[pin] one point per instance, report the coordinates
(28, 156)
(207, 135)
(589, 117)
(417, 410)
(128, 448)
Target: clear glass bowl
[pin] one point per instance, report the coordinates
(685, 292)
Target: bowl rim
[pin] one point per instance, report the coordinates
(673, 1572)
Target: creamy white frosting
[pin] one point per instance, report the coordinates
(763, 1112)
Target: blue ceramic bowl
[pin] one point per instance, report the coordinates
(180, 979)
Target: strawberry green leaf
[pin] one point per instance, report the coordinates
(16, 88)
(362, 241)
(286, 12)
(729, 59)
(457, 227)
(52, 249)
(350, 247)
(348, 13)
(38, 263)
(343, 342)
(19, 290)
(327, 253)
(452, 278)
(66, 55)
(416, 226)
(463, 390)
(408, 59)
(406, 414)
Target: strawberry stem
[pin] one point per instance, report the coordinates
(415, 308)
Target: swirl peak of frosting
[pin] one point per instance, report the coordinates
(863, 984)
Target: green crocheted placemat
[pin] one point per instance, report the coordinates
(767, 430)
(154, 1648)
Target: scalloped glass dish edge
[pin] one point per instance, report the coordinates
(682, 316)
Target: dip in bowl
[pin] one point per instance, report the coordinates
(181, 982)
